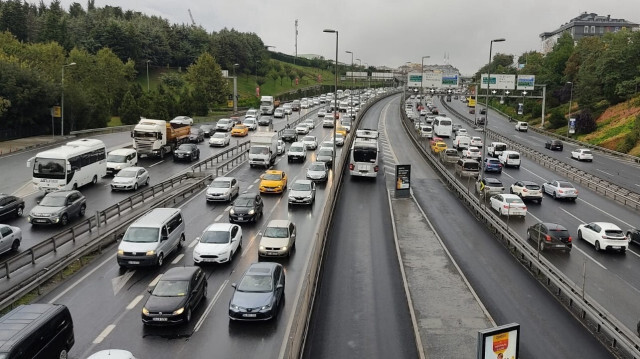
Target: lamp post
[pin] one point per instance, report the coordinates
(486, 119)
(62, 100)
(422, 79)
(569, 110)
(366, 66)
(235, 89)
(257, 60)
(351, 92)
(359, 89)
(148, 75)
(335, 99)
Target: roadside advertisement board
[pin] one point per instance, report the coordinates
(403, 180)
(499, 82)
(501, 342)
(572, 126)
(526, 82)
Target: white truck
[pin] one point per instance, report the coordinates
(159, 137)
(263, 149)
(267, 105)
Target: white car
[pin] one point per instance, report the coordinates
(603, 236)
(326, 144)
(522, 126)
(251, 113)
(224, 124)
(322, 113)
(310, 123)
(339, 139)
(310, 142)
(302, 192)
(327, 122)
(582, 154)
(251, 122)
(527, 190)
(223, 189)
(302, 129)
(130, 178)
(288, 110)
(560, 189)
(473, 153)
(510, 159)
(121, 158)
(278, 113)
(508, 205)
(220, 139)
(10, 238)
(476, 141)
(280, 148)
(218, 243)
(462, 132)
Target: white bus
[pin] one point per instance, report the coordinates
(442, 127)
(363, 159)
(70, 166)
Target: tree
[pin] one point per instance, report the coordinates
(557, 119)
(274, 75)
(129, 111)
(205, 76)
(585, 123)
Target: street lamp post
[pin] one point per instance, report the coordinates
(148, 75)
(62, 100)
(235, 89)
(351, 92)
(422, 79)
(335, 99)
(569, 110)
(257, 60)
(359, 89)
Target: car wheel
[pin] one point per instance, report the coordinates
(541, 246)
(63, 354)
(160, 260)
(623, 250)
(204, 290)
(15, 245)
(20, 211)
(511, 190)
(94, 180)
(75, 186)
(64, 220)
(529, 235)
(135, 186)
(555, 196)
(146, 183)
(628, 236)
(181, 242)
(597, 245)
(83, 210)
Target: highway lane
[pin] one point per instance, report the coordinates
(610, 276)
(505, 288)
(623, 173)
(360, 310)
(108, 302)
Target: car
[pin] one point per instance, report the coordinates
(480, 121)
(495, 149)
(310, 123)
(310, 142)
(235, 120)
(492, 165)
(278, 113)
(327, 122)
(278, 239)
(112, 354)
(251, 123)
(510, 159)
(222, 189)
(196, 135)
(325, 154)
(488, 186)
(527, 190)
(208, 130)
(582, 154)
(508, 205)
(633, 236)
(554, 145)
(186, 120)
(11, 206)
(473, 153)
(550, 236)
(287, 109)
(302, 129)
(220, 139)
(472, 111)
(217, 244)
(130, 178)
(341, 130)
(304, 104)
(483, 111)
(560, 190)
(295, 105)
(522, 126)
(240, 131)
(224, 124)
(121, 158)
(476, 141)
(462, 132)
(247, 207)
(423, 112)
(603, 236)
(322, 112)
(58, 208)
(339, 139)
(318, 171)
(289, 135)
(450, 155)
(251, 113)
(297, 152)
(280, 148)
(265, 121)
(438, 146)
(10, 238)
(302, 192)
(186, 151)
(326, 144)
(273, 181)
(259, 294)
(178, 292)
(346, 123)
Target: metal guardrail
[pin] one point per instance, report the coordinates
(622, 195)
(622, 341)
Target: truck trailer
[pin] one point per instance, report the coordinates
(159, 137)
(263, 149)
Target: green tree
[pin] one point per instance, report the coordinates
(274, 76)
(205, 76)
(129, 111)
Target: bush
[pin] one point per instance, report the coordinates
(557, 119)
(629, 142)
(585, 122)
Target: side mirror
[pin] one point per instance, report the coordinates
(164, 238)
(261, 176)
(197, 239)
(234, 285)
(38, 201)
(150, 289)
(279, 286)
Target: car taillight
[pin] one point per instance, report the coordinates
(548, 238)
(570, 239)
(351, 166)
(375, 169)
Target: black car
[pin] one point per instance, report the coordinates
(247, 207)
(289, 135)
(177, 294)
(480, 121)
(554, 145)
(196, 135)
(633, 235)
(10, 206)
(550, 236)
(483, 111)
(259, 294)
(186, 151)
(265, 121)
(208, 130)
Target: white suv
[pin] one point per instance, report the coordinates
(522, 126)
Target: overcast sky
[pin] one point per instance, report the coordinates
(387, 32)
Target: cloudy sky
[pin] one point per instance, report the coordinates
(387, 32)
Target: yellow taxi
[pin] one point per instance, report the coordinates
(438, 147)
(273, 181)
(341, 130)
(240, 130)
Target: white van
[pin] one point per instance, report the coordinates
(461, 142)
(495, 149)
(510, 159)
(121, 158)
(522, 126)
(151, 238)
(426, 131)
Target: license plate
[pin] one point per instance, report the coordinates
(272, 253)
(249, 315)
(240, 218)
(137, 262)
(559, 245)
(160, 319)
(39, 221)
(615, 247)
(269, 189)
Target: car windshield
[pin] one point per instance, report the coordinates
(243, 202)
(185, 147)
(258, 150)
(218, 135)
(308, 138)
(325, 152)
(586, 152)
(276, 232)
(513, 200)
(127, 173)
(564, 185)
(215, 237)
(500, 147)
(559, 232)
(613, 233)
(223, 121)
(117, 158)
(317, 167)
(141, 235)
(171, 288)
(255, 283)
(493, 183)
(493, 161)
(249, 120)
(220, 184)
(272, 177)
(53, 201)
(49, 167)
(289, 132)
(295, 149)
(301, 186)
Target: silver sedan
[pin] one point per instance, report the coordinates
(130, 179)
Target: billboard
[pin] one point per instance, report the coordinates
(403, 180)
(499, 82)
(501, 342)
(526, 82)
(357, 75)
(382, 75)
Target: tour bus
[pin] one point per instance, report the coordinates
(363, 159)
(70, 166)
(442, 127)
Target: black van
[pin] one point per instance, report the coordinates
(39, 331)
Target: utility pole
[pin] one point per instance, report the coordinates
(296, 45)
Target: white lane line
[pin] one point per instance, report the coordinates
(588, 256)
(248, 247)
(612, 175)
(508, 175)
(256, 181)
(608, 214)
(193, 243)
(210, 306)
(569, 213)
(178, 258)
(134, 302)
(536, 218)
(104, 334)
(155, 280)
(535, 174)
(227, 209)
(218, 218)
(250, 186)
(55, 299)
(155, 164)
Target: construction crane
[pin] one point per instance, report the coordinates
(191, 16)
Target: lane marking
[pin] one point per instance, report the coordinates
(193, 243)
(250, 186)
(247, 247)
(155, 164)
(257, 180)
(134, 302)
(178, 258)
(210, 306)
(104, 334)
(55, 299)
(218, 218)
(588, 256)
(569, 213)
(227, 209)
(608, 214)
(612, 175)
(155, 280)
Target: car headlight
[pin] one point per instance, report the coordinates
(118, 167)
(145, 311)
(262, 248)
(196, 253)
(252, 211)
(231, 211)
(284, 248)
(120, 252)
(179, 311)
(266, 307)
(234, 307)
(150, 253)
